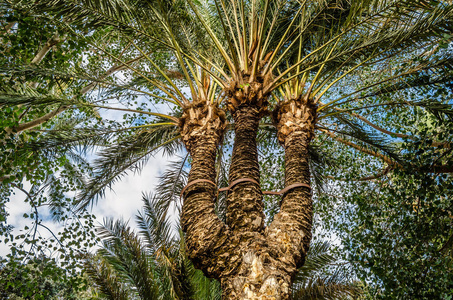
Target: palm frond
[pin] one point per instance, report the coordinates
(320, 278)
(155, 227)
(129, 153)
(319, 162)
(123, 250)
(317, 258)
(426, 75)
(105, 279)
(115, 13)
(171, 183)
(155, 250)
(368, 138)
(378, 35)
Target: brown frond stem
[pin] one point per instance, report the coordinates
(400, 135)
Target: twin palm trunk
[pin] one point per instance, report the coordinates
(250, 260)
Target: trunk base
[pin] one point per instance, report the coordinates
(259, 278)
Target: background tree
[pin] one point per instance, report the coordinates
(34, 168)
(396, 225)
(41, 278)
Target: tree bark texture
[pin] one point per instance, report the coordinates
(250, 261)
(291, 229)
(244, 201)
(202, 128)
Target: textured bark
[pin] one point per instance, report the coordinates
(246, 91)
(290, 231)
(244, 201)
(259, 275)
(251, 262)
(254, 267)
(253, 270)
(207, 236)
(270, 259)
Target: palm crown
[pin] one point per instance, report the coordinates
(286, 50)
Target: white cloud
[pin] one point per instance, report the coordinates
(126, 197)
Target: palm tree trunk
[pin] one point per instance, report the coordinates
(259, 276)
(290, 231)
(253, 271)
(270, 259)
(251, 262)
(206, 234)
(204, 230)
(244, 201)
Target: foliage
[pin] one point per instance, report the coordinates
(324, 276)
(30, 166)
(40, 278)
(396, 227)
(371, 66)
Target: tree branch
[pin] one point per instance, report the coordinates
(400, 135)
(372, 177)
(8, 27)
(3, 178)
(442, 169)
(40, 120)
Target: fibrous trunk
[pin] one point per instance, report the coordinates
(244, 201)
(251, 261)
(202, 128)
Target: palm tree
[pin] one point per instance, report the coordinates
(247, 58)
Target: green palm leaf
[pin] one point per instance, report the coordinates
(125, 254)
(129, 153)
(315, 281)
